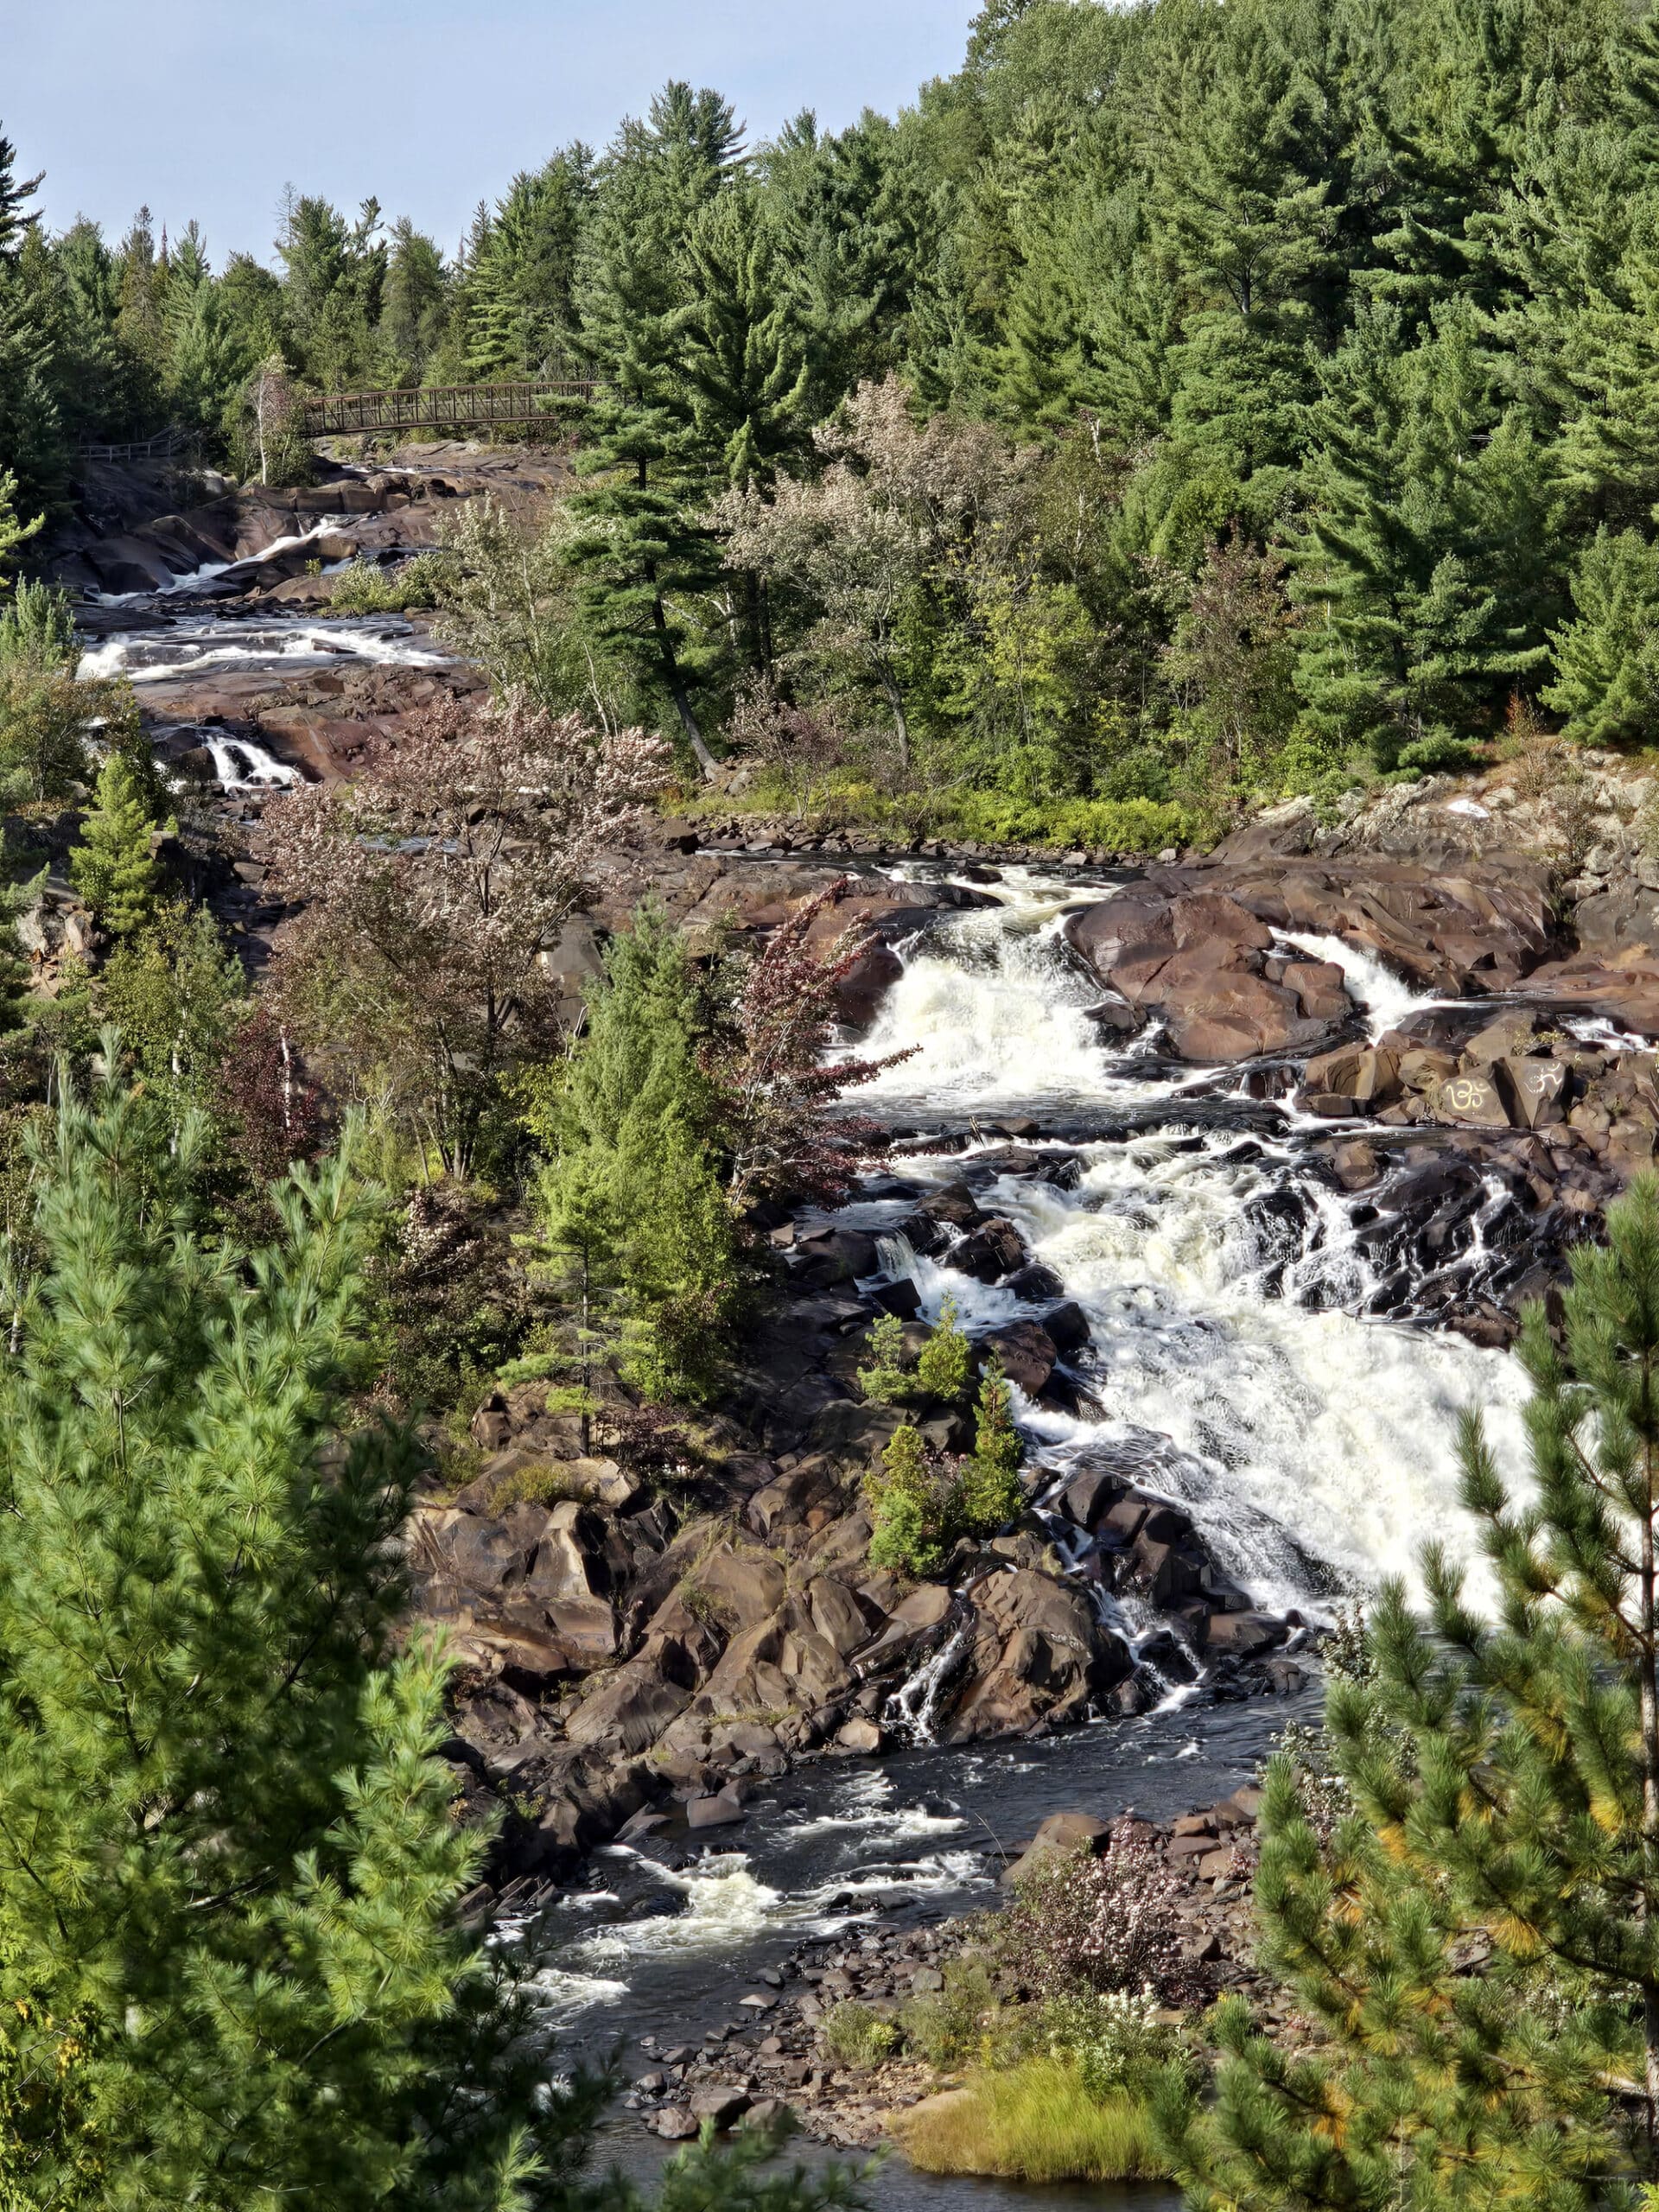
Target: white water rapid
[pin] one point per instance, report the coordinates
(190, 646)
(1313, 1447)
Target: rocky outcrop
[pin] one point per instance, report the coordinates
(1203, 962)
(1206, 949)
(140, 527)
(641, 1644)
(772, 2052)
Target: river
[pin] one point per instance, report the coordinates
(1235, 1372)
(1234, 1369)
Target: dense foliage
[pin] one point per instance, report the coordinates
(1180, 400)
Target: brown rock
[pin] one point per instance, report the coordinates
(1470, 1102)
(1060, 1834)
(1028, 1353)
(863, 1736)
(1243, 1635)
(988, 1253)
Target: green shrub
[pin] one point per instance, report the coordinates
(944, 1363)
(988, 1494)
(854, 2036)
(37, 630)
(1033, 2122)
(911, 1499)
(364, 588)
(885, 1380)
(1115, 2039)
(952, 2027)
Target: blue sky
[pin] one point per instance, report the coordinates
(209, 107)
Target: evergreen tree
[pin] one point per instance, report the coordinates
(1423, 555)
(417, 294)
(990, 1481)
(113, 867)
(1608, 659)
(635, 539)
(228, 1966)
(633, 1184)
(16, 217)
(37, 628)
(1500, 1774)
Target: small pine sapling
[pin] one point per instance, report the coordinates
(113, 867)
(885, 1380)
(989, 1487)
(943, 1366)
(908, 1500)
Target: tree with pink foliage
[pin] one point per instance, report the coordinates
(431, 885)
(776, 1077)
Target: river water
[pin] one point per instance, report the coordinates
(1233, 1370)
(1232, 1366)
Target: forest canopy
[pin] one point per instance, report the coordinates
(1181, 402)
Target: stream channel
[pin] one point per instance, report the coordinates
(1231, 1366)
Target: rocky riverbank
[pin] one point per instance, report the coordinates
(772, 2053)
(653, 1639)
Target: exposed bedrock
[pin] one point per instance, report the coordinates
(1205, 950)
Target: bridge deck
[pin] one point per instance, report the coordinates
(442, 407)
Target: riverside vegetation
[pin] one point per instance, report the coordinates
(1178, 407)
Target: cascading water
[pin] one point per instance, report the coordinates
(190, 647)
(1222, 1284)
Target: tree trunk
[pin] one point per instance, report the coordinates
(676, 690)
(896, 707)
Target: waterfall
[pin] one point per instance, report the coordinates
(1222, 1282)
(188, 648)
(257, 771)
(1387, 999)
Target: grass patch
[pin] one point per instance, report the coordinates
(854, 2036)
(1140, 826)
(1033, 2122)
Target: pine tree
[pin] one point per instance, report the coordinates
(1607, 684)
(1478, 1933)
(636, 540)
(1424, 553)
(16, 217)
(228, 1967)
(633, 1187)
(989, 1486)
(113, 867)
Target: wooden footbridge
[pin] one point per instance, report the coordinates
(446, 407)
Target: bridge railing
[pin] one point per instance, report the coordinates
(176, 438)
(441, 407)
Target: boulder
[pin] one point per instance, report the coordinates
(1059, 1835)
(1470, 1102)
(1366, 1075)
(1067, 1326)
(1536, 1091)
(839, 1615)
(778, 1668)
(1028, 1353)
(1041, 1654)
(1244, 1636)
(719, 1811)
(632, 1708)
(748, 1586)
(988, 1253)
